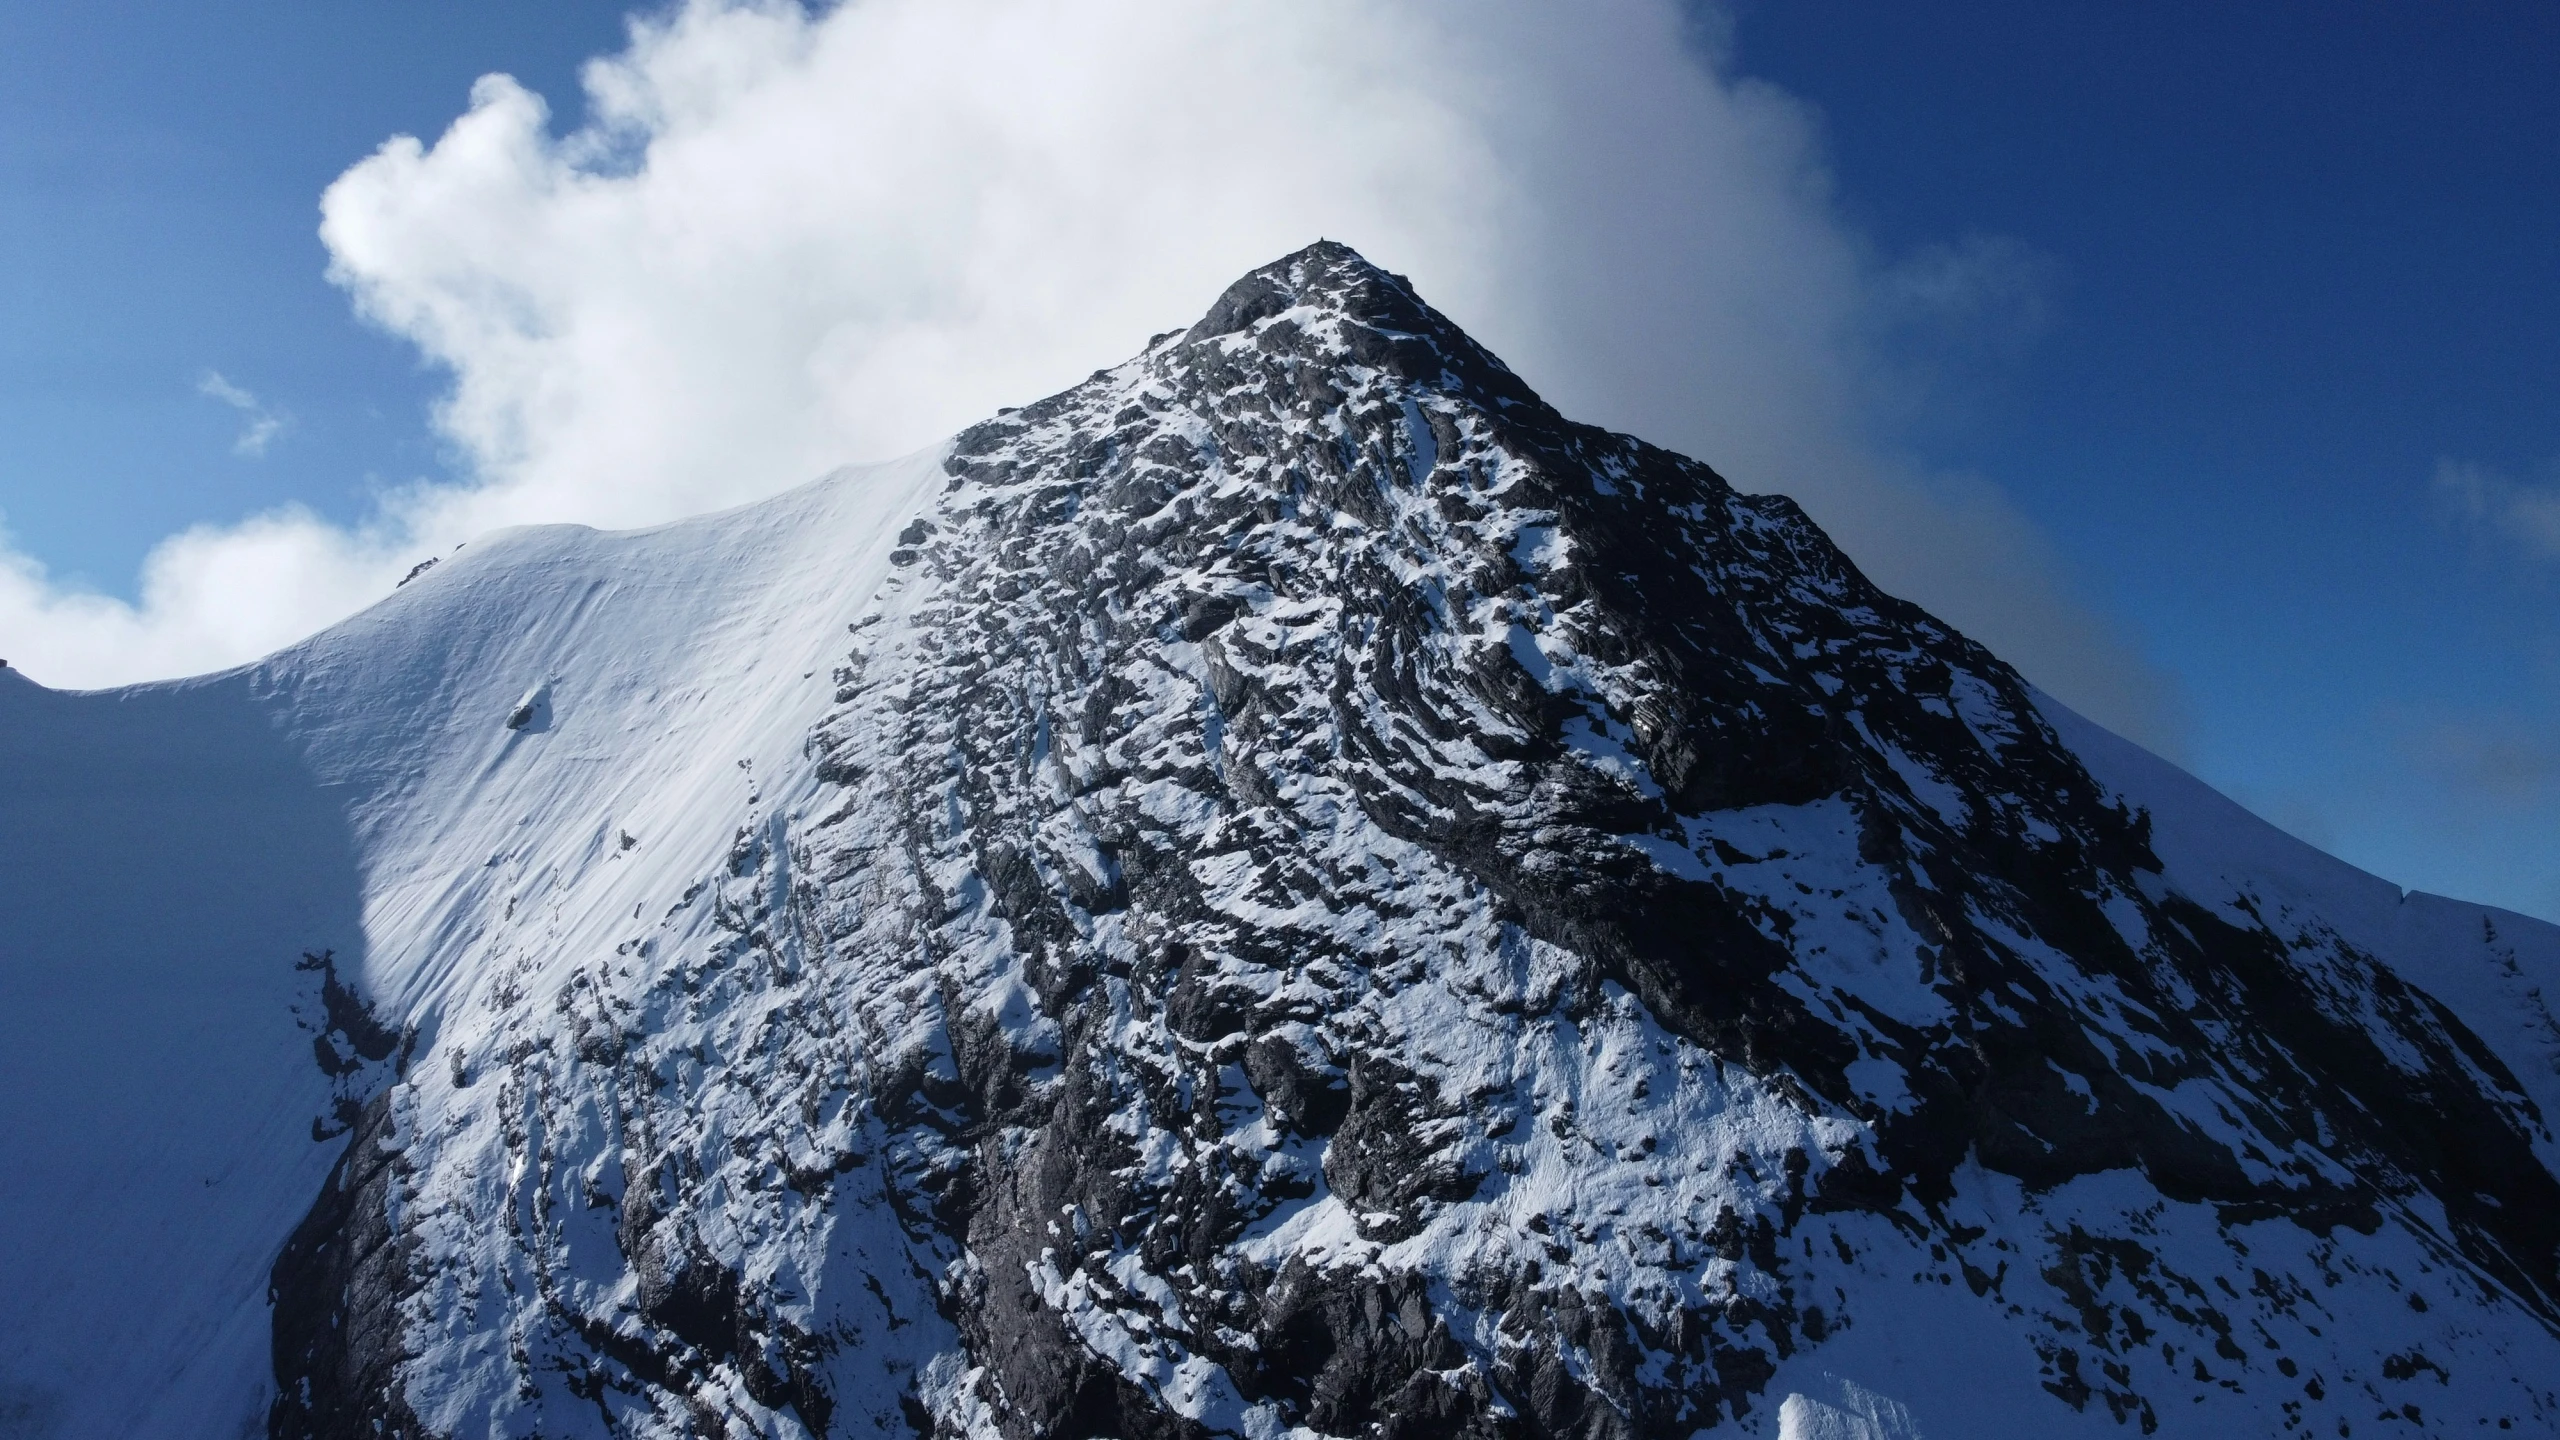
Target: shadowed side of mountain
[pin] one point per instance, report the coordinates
(165, 861)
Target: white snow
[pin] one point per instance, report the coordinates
(168, 851)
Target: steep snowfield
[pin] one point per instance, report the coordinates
(168, 852)
(2498, 970)
(1287, 890)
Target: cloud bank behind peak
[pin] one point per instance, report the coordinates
(785, 239)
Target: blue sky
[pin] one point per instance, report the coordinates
(2306, 253)
(160, 168)
(2277, 266)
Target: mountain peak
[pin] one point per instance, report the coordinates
(1369, 315)
(1287, 889)
(1327, 275)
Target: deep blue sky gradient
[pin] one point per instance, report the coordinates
(2296, 253)
(2305, 251)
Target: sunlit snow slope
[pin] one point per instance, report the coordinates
(169, 852)
(1288, 890)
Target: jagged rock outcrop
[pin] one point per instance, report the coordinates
(1332, 900)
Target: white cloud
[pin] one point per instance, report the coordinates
(265, 423)
(787, 240)
(2524, 515)
(209, 595)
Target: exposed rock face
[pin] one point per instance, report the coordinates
(337, 1289)
(1333, 899)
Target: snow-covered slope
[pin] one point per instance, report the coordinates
(1285, 890)
(169, 853)
(2497, 970)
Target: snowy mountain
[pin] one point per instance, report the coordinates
(1287, 890)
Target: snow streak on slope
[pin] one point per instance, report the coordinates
(1290, 890)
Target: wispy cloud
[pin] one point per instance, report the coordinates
(2499, 758)
(2521, 513)
(264, 421)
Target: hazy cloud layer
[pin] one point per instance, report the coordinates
(2524, 515)
(2501, 759)
(786, 241)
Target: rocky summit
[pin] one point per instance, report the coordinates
(1288, 890)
